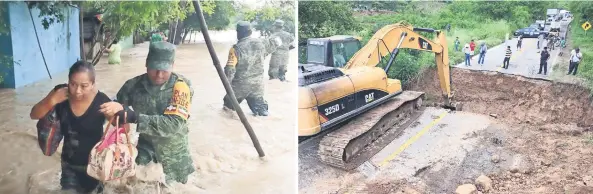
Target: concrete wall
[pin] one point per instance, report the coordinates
(59, 43)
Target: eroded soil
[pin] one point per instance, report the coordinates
(541, 144)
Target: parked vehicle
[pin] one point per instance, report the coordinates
(549, 20)
(542, 23)
(529, 32)
(552, 12)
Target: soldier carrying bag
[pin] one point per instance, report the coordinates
(114, 156)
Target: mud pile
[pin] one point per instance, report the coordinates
(512, 98)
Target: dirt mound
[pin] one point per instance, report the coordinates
(547, 124)
(513, 98)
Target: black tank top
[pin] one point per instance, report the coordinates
(81, 133)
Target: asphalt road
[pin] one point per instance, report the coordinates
(419, 147)
(524, 62)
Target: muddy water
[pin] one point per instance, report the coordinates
(223, 153)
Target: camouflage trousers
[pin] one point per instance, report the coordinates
(75, 179)
(252, 92)
(278, 63)
(172, 153)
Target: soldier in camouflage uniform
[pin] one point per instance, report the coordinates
(245, 69)
(279, 59)
(161, 102)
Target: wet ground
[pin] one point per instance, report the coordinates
(223, 153)
(524, 61)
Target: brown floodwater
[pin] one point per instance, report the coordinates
(223, 153)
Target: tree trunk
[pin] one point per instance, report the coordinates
(178, 31)
(187, 31)
(97, 57)
(92, 46)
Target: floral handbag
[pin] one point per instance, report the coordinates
(114, 156)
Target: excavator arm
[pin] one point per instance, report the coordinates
(389, 39)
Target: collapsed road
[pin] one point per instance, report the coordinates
(524, 135)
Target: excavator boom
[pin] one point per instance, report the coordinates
(389, 39)
(374, 107)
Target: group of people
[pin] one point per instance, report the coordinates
(245, 69)
(146, 100)
(158, 102)
(469, 51)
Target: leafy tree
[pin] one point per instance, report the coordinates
(325, 18)
(265, 17)
(218, 19)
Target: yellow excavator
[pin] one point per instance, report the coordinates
(343, 90)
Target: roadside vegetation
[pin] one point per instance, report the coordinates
(582, 40)
(487, 22)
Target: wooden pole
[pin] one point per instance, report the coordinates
(225, 82)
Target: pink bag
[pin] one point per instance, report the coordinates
(114, 156)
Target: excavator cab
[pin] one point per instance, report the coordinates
(332, 51)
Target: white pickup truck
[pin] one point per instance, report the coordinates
(555, 25)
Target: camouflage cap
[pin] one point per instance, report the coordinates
(161, 55)
(243, 26)
(278, 23)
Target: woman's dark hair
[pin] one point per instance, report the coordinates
(115, 41)
(82, 66)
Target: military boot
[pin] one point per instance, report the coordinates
(263, 113)
(263, 110)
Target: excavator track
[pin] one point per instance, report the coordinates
(361, 138)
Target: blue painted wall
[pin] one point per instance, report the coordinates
(6, 71)
(59, 43)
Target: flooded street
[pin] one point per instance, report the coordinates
(223, 153)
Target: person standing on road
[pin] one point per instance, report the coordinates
(519, 41)
(543, 61)
(467, 51)
(457, 43)
(159, 102)
(472, 46)
(575, 58)
(540, 41)
(245, 69)
(483, 49)
(507, 58)
(279, 58)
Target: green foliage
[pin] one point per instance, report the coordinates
(50, 12)
(265, 16)
(325, 18)
(218, 18)
(583, 11)
(4, 28)
(125, 17)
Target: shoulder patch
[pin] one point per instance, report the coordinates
(180, 101)
(232, 60)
